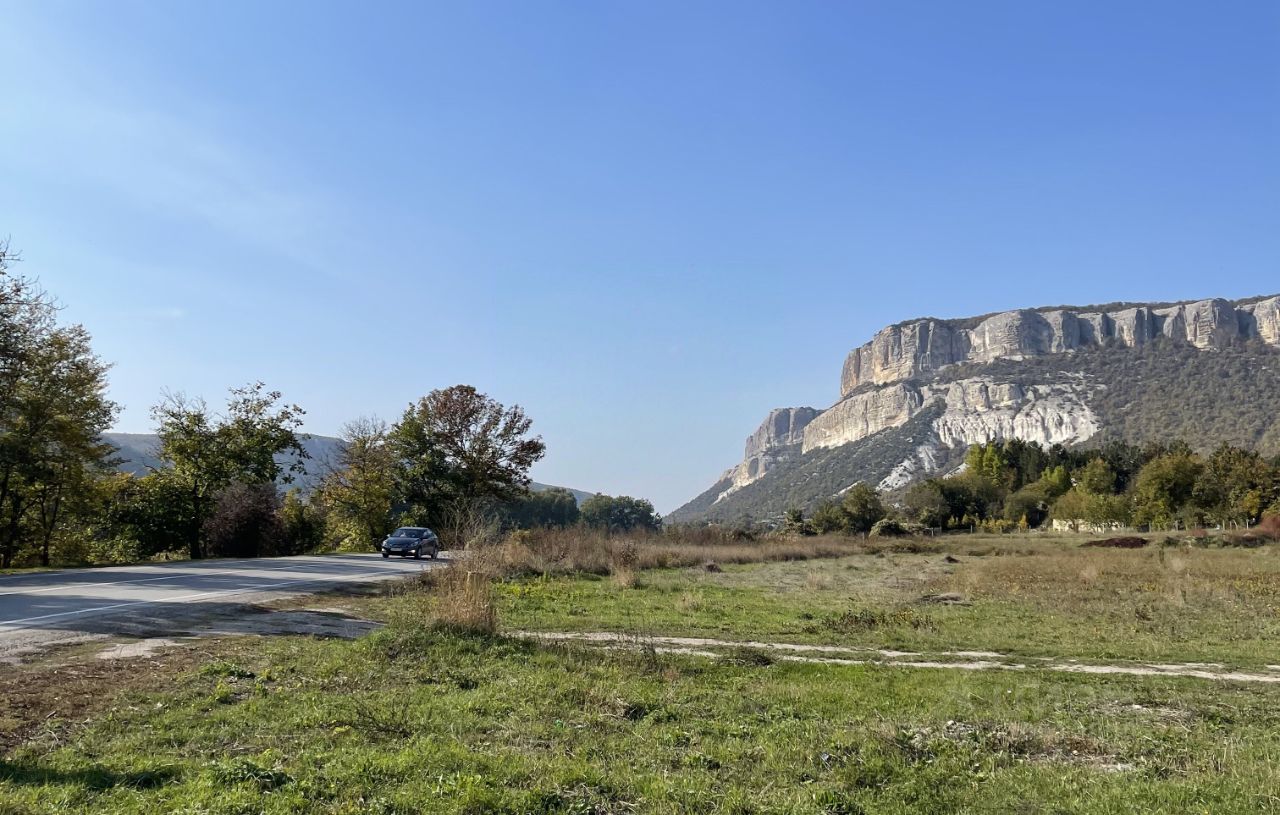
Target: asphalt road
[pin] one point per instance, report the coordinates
(83, 600)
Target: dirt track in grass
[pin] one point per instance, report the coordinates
(841, 655)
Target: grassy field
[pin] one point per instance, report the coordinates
(420, 718)
(1041, 599)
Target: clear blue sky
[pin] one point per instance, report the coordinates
(647, 222)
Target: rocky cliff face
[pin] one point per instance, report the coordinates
(777, 438)
(899, 377)
(975, 410)
(921, 347)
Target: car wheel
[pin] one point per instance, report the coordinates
(435, 553)
(385, 555)
(417, 554)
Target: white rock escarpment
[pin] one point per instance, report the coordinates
(778, 437)
(893, 378)
(975, 410)
(909, 350)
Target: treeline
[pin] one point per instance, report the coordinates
(456, 459)
(1022, 485)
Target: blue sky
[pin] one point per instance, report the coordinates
(647, 222)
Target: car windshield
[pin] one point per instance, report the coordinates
(407, 532)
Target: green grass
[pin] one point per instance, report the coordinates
(1224, 606)
(413, 719)
(410, 721)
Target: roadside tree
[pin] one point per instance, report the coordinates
(53, 412)
(456, 449)
(208, 452)
(360, 491)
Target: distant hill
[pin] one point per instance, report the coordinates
(915, 396)
(578, 494)
(138, 455)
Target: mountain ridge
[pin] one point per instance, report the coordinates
(1045, 374)
(137, 455)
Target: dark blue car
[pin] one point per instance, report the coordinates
(411, 540)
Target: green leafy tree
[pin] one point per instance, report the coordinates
(828, 518)
(53, 412)
(987, 461)
(1164, 488)
(972, 494)
(926, 502)
(1125, 460)
(1109, 509)
(1055, 481)
(796, 524)
(1236, 485)
(1071, 506)
(208, 452)
(620, 514)
(1025, 460)
(1097, 478)
(1029, 504)
(456, 449)
(65, 413)
(360, 491)
(147, 515)
(304, 523)
(554, 507)
(862, 507)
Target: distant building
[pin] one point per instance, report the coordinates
(1081, 525)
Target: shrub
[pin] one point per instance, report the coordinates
(828, 518)
(304, 524)
(1270, 527)
(623, 566)
(796, 524)
(245, 523)
(463, 596)
(1118, 543)
(620, 514)
(894, 528)
(870, 619)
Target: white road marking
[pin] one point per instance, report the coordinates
(196, 574)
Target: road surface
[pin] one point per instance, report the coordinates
(59, 606)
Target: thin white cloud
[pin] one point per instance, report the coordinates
(170, 313)
(68, 124)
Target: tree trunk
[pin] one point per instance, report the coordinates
(13, 533)
(50, 506)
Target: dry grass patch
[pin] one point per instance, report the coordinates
(461, 594)
(586, 551)
(1065, 579)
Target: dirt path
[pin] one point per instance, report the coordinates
(954, 660)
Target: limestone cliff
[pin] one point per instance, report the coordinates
(974, 410)
(781, 433)
(942, 385)
(920, 347)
